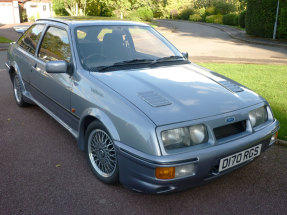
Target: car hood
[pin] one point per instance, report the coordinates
(179, 93)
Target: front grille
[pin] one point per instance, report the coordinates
(229, 130)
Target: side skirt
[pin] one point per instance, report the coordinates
(65, 125)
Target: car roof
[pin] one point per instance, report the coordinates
(78, 21)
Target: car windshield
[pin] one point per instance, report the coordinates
(102, 47)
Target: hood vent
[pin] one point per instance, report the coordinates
(153, 99)
(231, 86)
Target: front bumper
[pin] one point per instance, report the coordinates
(137, 169)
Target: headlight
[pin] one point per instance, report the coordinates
(258, 116)
(184, 137)
(197, 134)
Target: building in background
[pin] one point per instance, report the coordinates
(9, 12)
(36, 9)
(14, 12)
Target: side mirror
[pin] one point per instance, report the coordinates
(185, 55)
(59, 66)
(20, 29)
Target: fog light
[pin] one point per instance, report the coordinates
(186, 170)
(273, 139)
(165, 172)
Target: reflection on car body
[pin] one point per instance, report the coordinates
(142, 112)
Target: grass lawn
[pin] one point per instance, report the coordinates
(269, 81)
(5, 40)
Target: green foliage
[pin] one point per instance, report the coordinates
(202, 3)
(23, 14)
(174, 14)
(282, 20)
(195, 18)
(241, 19)
(214, 19)
(260, 18)
(210, 11)
(31, 19)
(185, 13)
(230, 19)
(97, 8)
(5, 40)
(59, 8)
(201, 11)
(145, 14)
(222, 7)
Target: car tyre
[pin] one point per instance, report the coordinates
(101, 153)
(18, 91)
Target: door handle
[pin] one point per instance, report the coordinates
(34, 67)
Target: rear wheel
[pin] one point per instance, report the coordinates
(18, 91)
(101, 153)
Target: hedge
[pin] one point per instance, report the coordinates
(195, 18)
(141, 14)
(214, 19)
(260, 18)
(282, 20)
(241, 19)
(185, 13)
(230, 19)
(210, 11)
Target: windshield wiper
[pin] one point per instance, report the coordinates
(168, 59)
(140, 61)
(125, 63)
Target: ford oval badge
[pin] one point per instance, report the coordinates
(230, 119)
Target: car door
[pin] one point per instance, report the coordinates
(25, 52)
(52, 90)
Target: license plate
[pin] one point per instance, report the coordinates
(238, 158)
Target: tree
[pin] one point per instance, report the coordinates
(72, 7)
(119, 7)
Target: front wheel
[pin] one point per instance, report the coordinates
(101, 153)
(18, 91)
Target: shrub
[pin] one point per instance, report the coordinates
(174, 14)
(144, 13)
(31, 19)
(59, 8)
(260, 18)
(214, 19)
(201, 11)
(230, 19)
(282, 21)
(185, 13)
(134, 16)
(224, 7)
(23, 14)
(210, 11)
(241, 19)
(195, 18)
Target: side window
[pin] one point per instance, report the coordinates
(55, 45)
(31, 38)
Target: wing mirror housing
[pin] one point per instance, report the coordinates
(185, 55)
(59, 66)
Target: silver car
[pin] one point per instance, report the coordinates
(142, 112)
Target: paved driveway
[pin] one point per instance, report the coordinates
(205, 43)
(43, 172)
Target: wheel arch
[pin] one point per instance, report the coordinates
(14, 68)
(93, 114)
